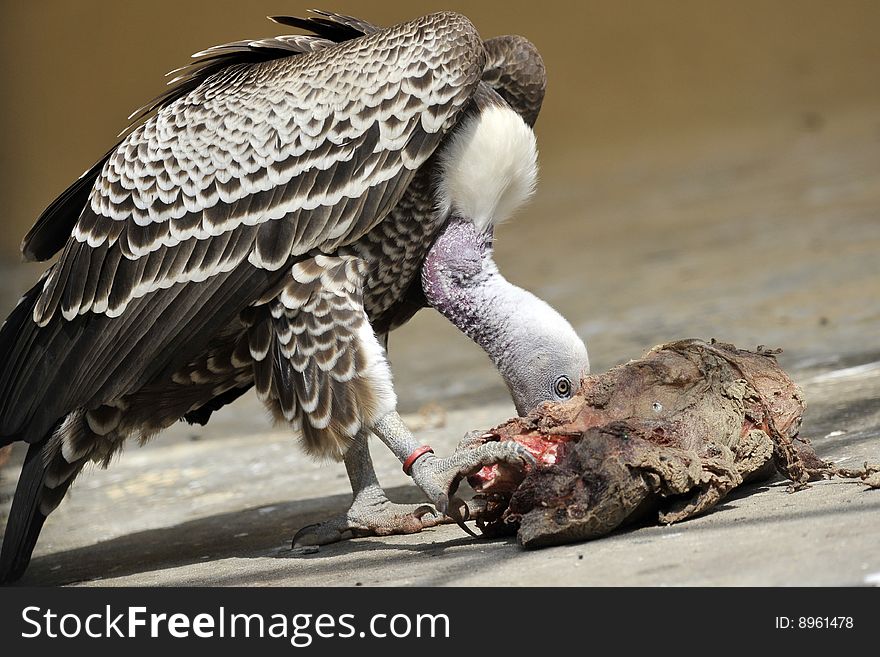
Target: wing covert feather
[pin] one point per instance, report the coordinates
(313, 150)
(171, 243)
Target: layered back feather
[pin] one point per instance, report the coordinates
(54, 226)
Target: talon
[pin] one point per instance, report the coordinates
(460, 518)
(473, 439)
(458, 510)
(467, 529)
(527, 456)
(300, 534)
(442, 503)
(421, 511)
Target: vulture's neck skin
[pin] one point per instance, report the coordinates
(460, 280)
(489, 169)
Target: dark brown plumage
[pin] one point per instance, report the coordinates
(264, 219)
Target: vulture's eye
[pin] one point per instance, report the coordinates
(562, 387)
(656, 407)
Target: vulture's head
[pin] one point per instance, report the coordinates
(547, 359)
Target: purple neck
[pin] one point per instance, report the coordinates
(461, 281)
(530, 343)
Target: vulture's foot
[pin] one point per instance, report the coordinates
(371, 514)
(439, 477)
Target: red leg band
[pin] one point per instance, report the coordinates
(412, 458)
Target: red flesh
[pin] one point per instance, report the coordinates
(547, 450)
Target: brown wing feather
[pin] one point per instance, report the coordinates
(515, 69)
(255, 144)
(287, 140)
(317, 362)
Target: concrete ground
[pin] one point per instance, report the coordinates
(222, 511)
(770, 236)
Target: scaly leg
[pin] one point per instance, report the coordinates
(439, 477)
(371, 513)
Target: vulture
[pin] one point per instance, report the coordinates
(266, 223)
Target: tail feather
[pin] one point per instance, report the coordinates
(37, 494)
(25, 520)
(15, 333)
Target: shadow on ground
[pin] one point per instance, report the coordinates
(264, 532)
(256, 532)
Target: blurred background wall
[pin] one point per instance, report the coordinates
(621, 73)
